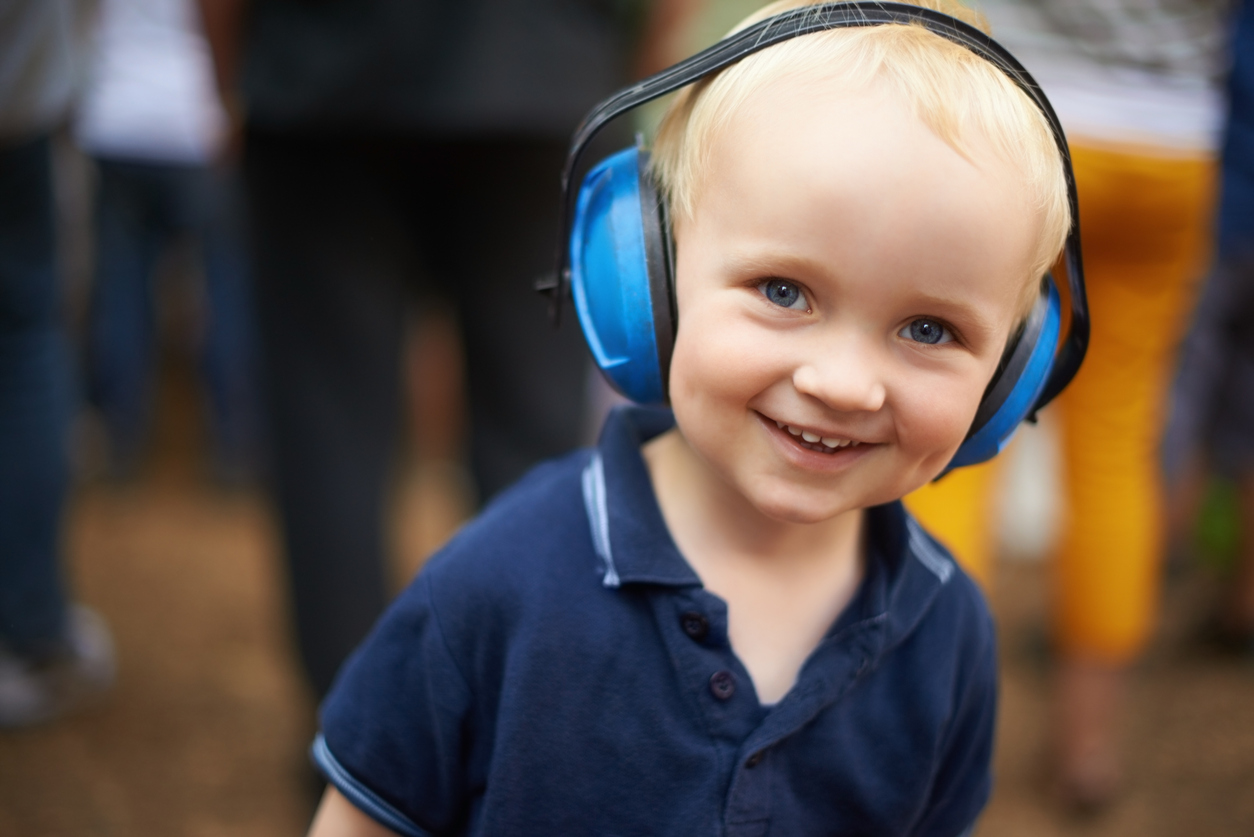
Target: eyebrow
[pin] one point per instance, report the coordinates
(773, 265)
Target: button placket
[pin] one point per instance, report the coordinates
(694, 623)
(748, 808)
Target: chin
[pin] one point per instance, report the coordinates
(795, 506)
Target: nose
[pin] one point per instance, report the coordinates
(843, 377)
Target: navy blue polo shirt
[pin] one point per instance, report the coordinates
(559, 669)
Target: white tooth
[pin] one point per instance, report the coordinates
(780, 425)
(810, 437)
(834, 443)
(794, 431)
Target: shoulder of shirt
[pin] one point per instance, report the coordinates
(958, 608)
(533, 530)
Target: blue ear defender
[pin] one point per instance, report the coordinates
(1021, 377)
(616, 256)
(620, 276)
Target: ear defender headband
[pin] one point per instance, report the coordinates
(616, 257)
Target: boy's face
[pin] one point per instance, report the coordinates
(848, 275)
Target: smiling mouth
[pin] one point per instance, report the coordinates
(813, 441)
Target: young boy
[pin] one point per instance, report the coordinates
(721, 620)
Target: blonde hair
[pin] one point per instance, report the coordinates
(955, 92)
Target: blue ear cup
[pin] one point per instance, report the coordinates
(1018, 384)
(620, 276)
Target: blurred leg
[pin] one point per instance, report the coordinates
(1145, 227)
(330, 308)
(526, 382)
(1208, 399)
(120, 328)
(229, 344)
(34, 407)
(1230, 440)
(1200, 372)
(1145, 224)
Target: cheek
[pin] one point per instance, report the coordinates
(699, 392)
(713, 361)
(935, 415)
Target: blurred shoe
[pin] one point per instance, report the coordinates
(1088, 704)
(1088, 787)
(35, 692)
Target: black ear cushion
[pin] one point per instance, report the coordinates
(1013, 361)
(659, 254)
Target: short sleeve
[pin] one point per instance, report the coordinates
(393, 724)
(963, 778)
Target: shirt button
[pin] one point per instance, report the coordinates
(695, 625)
(723, 684)
(754, 760)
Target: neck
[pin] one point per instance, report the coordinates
(707, 516)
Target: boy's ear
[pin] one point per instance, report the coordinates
(621, 269)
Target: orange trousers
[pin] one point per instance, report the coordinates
(1145, 232)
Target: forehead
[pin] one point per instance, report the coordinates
(816, 169)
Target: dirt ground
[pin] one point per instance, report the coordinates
(207, 730)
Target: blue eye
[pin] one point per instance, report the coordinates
(784, 294)
(926, 331)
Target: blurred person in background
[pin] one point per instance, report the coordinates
(151, 120)
(53, 654)
(1135, 85)
(1212, 425)
(389, 146)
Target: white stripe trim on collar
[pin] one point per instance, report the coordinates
(599, 517)
(922, 548)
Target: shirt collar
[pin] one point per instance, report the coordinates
(628, 530)
(905, 567)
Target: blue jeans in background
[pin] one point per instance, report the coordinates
(35, 406)
(141, 209)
